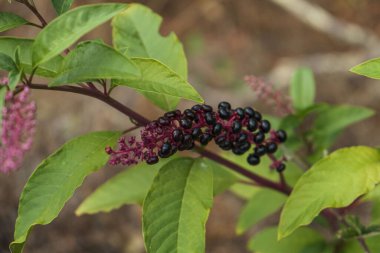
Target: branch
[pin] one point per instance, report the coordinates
(141, 120)
(98, 95)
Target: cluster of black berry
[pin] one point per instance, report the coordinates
(238, 130)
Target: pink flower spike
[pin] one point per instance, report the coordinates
(18, 127)
(270, 95)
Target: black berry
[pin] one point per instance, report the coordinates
(210, 119)
(253, 159)
(224, 113)
(281, 167)
(165, 150)
(187, 139)
(281, 135)
(249, 112)
(152, 160)
(224, 105)
(265, 126)
(163, 121)
(207, 108)
(189, 114)
(196, 108)
(177, 135)
(236, 126)
(271, 147)
(242, 137)
(259, 137)
(252, 125)
(196, 133)
(240, 112)
(204, 139)
(185, 123)
(257, 116)
(260, 150)
(217, 129)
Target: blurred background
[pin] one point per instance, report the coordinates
(224, 41)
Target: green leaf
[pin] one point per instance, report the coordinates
(266, 241)
(159, 80)
(54, 181)
(69, 27)
(14, 74)
(133, 183)
(61, 6)
(133, 32)
(262, 204)
(337, 118)
(8, 46)
(335, 181)
(223, 177)
(302, 88)
(177, 206)
(10, 20)
(14, 78)
(370, 68)
(7, 63)
(94, 60)
(331, 121)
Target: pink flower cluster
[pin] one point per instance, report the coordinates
(269, 94)
(18, 126)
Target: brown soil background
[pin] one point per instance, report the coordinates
(224, 41)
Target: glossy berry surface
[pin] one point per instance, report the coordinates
(236, 130)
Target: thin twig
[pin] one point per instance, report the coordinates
(35, 11)
(34, 24)
(364, 245)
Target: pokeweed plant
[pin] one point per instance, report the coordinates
(277, 164)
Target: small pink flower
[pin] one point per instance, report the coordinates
(18, 126)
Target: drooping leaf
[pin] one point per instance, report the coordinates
(266, 241)
(302, 88)
(177, 206)
(370, 68)
(336, 118)
(61, 6)
(157, 79)
(133, 31)
(262, 204)
(94, 60)
(10, 20)
(54, 181)
(8, 46)
(69, 27)
(335, 181)
(331, 121)
(128, 187)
